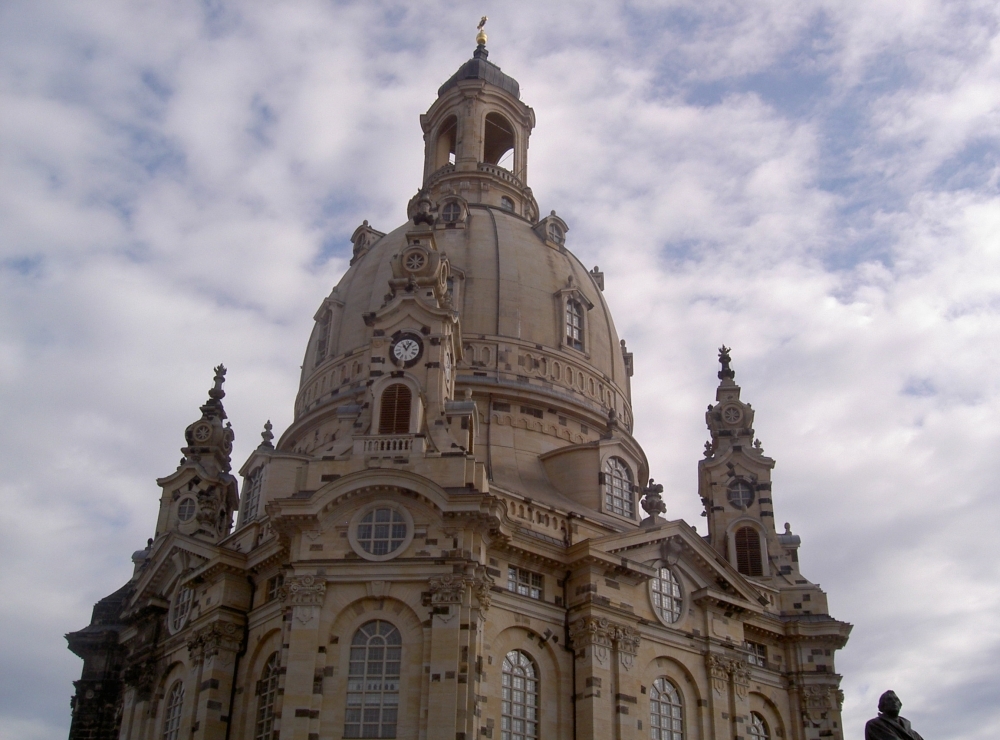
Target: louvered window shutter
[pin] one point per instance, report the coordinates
(394, 416)
(748, 561)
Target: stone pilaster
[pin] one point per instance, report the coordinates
(448, 703)
(213, 651)
(625, 640)
(300, 707)
(590, 637)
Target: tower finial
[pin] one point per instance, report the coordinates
(213, 406)
(725, 359)
(481, 36)
(267, 435)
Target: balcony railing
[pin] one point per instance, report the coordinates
(389, 444)
(505, 175)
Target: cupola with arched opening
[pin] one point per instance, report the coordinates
(476, 139)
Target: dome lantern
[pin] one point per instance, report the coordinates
(476, 138)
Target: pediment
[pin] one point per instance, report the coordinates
(677, 542)
(172, 558)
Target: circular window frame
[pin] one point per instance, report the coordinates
(741, 506)
(660, 564)
(172, 624)
(446, 207)
(194, 508)
(352, 531)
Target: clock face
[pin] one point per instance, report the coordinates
(406, 350)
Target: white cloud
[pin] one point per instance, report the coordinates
(814, 187)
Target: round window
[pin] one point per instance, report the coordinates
(732, 414)
(556, 233)
(451, 212)
(185, 509)
(381, 531)
(665, 593)
(180, 609)
(740, 494)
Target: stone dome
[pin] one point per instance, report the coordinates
(507, 284)
(516, 361)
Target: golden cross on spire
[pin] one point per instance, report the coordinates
(481, 36)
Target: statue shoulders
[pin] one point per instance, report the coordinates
(883, 728)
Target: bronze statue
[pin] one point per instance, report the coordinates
(889, 725)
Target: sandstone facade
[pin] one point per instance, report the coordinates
(448, 542)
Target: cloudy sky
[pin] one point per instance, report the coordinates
(814, 184)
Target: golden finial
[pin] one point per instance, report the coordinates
(481, 36)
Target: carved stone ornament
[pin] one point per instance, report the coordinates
(448, 589)
(304, 591)
(741, 678)
(217, 637)
(482, 585)
(141, 677)
(718, 669)
(816, 700)
(626, 641)
(592, 632)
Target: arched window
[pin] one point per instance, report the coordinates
(267, 692)
(556, 233)
(251, 495)
(748, 561)
(394, 416)
(172, 714)
(373, 681)
(666, 714)
(498, 141)
(618, 498)
(519, 698)
(666, 593)
(506, 203)
(447, 136)
(758, 727)
(574, 324)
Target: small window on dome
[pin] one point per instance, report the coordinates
(618, 498)
(507, 204)
(574, 325)
(556, 233)
(451, 212)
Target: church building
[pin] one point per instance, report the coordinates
(457, 538)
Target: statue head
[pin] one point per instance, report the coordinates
(889, 704)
